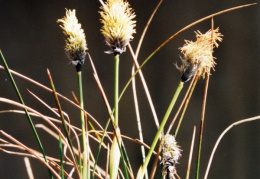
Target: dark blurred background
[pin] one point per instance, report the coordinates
(32, 41)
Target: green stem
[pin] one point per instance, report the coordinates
(165, 118)
(116, 144)
(61, 158)
(86, 169)
(116, 106)
(25, 110)
(62, 117)
(186, 105)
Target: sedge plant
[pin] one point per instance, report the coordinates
(118, 28)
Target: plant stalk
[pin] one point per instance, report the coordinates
(86, 167)
(115, 152)
(202, 125)
(160, 130)
(25, 110)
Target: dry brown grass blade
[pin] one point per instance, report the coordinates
(145, 87)
(52, 161)
(72, 128)
(4, 100)
(204, 108)
(28, 168)
(53, 134)
(85, 115)
(30, 151)
(107, 164)
(46, 105)
(145, 29)
(101, 90)
(222, 135)
(203, 19)
(56, 136)
(191, 152)
(157, 158)
(48, 117)
(29, 155)
(50, 90)
(135, 57)
(15, 146)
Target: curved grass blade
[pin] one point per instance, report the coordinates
(25, 110)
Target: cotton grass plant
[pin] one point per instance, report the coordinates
(77, 159)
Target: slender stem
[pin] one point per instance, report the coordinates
(116, 144)
(138, 119)
(86, 172)
(180, 106)
(61, 158)
(191, 152)
(61, 113)
(202, 124)
(111, 119)
(25, 110)
(145, 87)
(186, 105)
(165, 118)
(222, 135)
(116, 106)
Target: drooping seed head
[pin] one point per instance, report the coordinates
(198, 55)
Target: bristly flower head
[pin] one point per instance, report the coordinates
(171, 155)
(118, 24)
(76, 45)
(198, 56)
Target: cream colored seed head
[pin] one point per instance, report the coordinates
(171, 154)
(118, 25)
(76, 45)
(198, 55)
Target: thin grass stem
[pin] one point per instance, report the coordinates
(30, 151)
(222, 135)
(61, 158)
(139, 125)
(25, 110)
(122, 149)
(186, 105)
(145, 88)
(202, 124)
(116, 86)
(86, 167)
(191, 152)
(61, 113)
(160, 130)
(28, 168)
(153, 171)
(180, 107)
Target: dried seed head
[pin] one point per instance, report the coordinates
(118, 25)
(198, 55)
(171, 155)
(76, 45)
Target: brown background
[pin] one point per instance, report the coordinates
(32, 41)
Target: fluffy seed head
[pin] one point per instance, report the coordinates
(76, 45)
(198, 55)
(171, 154)
(118, 24)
